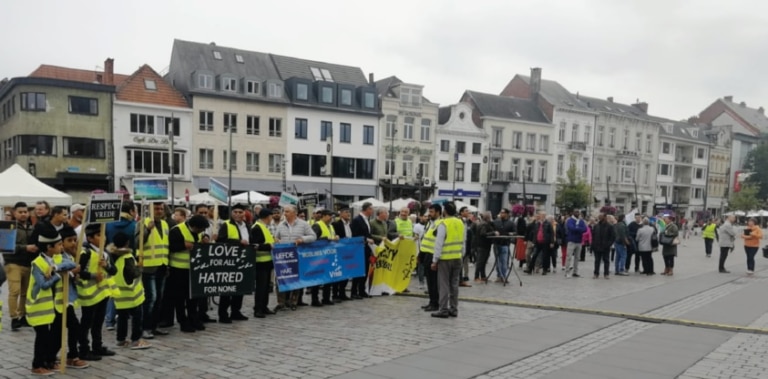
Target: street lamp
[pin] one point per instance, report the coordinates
(392, 167)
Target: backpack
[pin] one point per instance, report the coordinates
(655, 239)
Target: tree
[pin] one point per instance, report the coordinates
(757, 164)
(745, 200)
(572, 191)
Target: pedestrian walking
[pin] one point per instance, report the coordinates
(603, 237)
(669, 245)
(709, 233)
(726, 240)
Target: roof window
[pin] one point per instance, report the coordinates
(321, 74)
(217, 55)
(150, 84)
(239, 58)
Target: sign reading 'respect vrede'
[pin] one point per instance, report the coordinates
(221, 269)
(104, 207)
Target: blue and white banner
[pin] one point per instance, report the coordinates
(317, 263)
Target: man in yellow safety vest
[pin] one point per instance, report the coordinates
(324, 231)
(181, 239)
(446, 260)
(262, 238)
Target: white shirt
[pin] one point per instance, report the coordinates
(243, 230)
(347, 229)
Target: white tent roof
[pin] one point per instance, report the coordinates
(255, 198)
(400, 203)
(372, 200)
(459, 204)
(201, 198)
(19, 185)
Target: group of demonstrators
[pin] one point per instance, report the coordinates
(137, 269)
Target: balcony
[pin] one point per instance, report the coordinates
(627, 153)
(577, 146)
(503, 177)
(683, 158)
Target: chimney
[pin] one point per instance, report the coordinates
(535, 84)
(643, 106)
(370, 78)
(743, 104)
(728, 98)
(109, 72)
(610, 99)
(761, 110)
(693, 120)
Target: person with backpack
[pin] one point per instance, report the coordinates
(645, 243)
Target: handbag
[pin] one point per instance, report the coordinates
(666, 240)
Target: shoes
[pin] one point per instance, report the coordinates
(302, 304)
(441, 314)
(355, 297)
(278, 308)
(709, 255)
(225, 320)
(198, 326)
(123, 344)
(15, 324)
(576, 276)
(110, 327)
(238, 317)
(168, 325)
(42, 371)
(650, 273)
(328, 302)
(206, 319)
(606, 277)
(188, 329)
(293, 307)
(623, 273)
(77, 363)
(365, 295)
(724, 271)
(147, 335)
(544, 272)
(749, 273)
(317, 303)
(453, 313)
(158, 332)
(431, 308)
(104, 352)
(91, 357)
(478, 280)
(259, 315)
(499, 280)
(464, 284)
(140, 345)
(343, 298)
(595, 277)
(266, 311)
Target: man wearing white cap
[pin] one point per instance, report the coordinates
(76, 216)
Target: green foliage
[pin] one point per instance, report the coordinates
(746, 199)
(572, 191)
(757, 163)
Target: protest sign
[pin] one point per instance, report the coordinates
(395, 261)
(104, 207)
(150, 189)
(7, 237)
(317, 263)
(218, 190)
(221, 269)
(288, 199)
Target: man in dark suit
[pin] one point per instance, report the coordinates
(361, 227)
(542, 235)
(343, 229)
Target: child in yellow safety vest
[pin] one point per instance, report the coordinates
(129, 296)
(69, 245)
(40, 307)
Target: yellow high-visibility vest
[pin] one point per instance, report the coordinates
(90, 292)
(454, 239)
(325, 231)
(40, 309)
(180, 259)
(264, 256)
(428, 241)
(404, 227)
(129, 295)
(709, 231)
(158, 256)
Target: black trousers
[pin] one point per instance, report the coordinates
(47, 343)
(583, 253)
(432, 288)
(483, 253)
(708, 245)
(73, 331)
(638, 257)
(669, 261)
(230, 305)
(340, 289)
(647, 261)
(326, 292)
(358, 284)
(183, 305)
(604, 258)
(136, 314)
(261, 287)
(91, 323)
(549, 256)
(724, 251)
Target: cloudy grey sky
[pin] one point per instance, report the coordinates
(679, 56)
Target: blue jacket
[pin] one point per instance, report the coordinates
(125, 226)
(576, 229)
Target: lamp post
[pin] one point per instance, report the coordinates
(455, 162)
(170, 128)
(392, 167)
(229, 167)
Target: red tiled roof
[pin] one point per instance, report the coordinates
(73, 74)
(133, 89)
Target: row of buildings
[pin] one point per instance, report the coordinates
(274, 123)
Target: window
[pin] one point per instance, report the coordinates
(367, 135)
(346, 97)
(217, 55)
(477, 148)
(542, 171)
(648, 143)
(585, 167)
(587, 134)
(33, 101)
(528, 174)
(275, 90)
(326, 95)
(343, 167)
(275, 127)
(560, 163)
(461, 147)
(531, 145)
(459, 171)
(600, 130)
(561, 132)
(475, 174)
(407, 167)
(326, 75)
(326, 130)
(426, 125)
(239, 58)
(410, 96)
(140, 161)
(390, 129)
(423, 171)
(166, 124)
(497, 137)
(36, 145)
(611, 137)
(389, 165)
(302, 91)
(276, 163)
(700, 153)
(142, 123)
(206, 159)
(598, 170)
(664, 169)
(252, 126)
(364, 168)
(206, 121)
(698, 193)
(408, 128)
(253, 87)
(150, 84)
(205, 81)
(83, 105)
(230, 121)
(443, 174)
(233, 159)
(517, 140)
(647, 175)
(544, 144)
(664, 191)
(300, 164)
(445, 145)
(639, 142)
(575, 133)
(626, 171)
(345, 133)
(229, 84)
(300, 131)
(666, 148)
(699, 173)
(515, 169)
(369, 100)
(316, 73)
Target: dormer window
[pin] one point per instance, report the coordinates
(252, 87)
(326, 95)
(205, 81)
(229, 84)
(239, 58)
(150, 84)
(346, 97)
(275, 90)
(217, 55)
(302, 91)
(321, 74)
(369, 100)
(410, 97)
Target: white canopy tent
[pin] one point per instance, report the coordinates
(20, 185)
(253, 198)
(459, 204)
(372, 200)
(400, 203)
(736, 213)
(760, 213)
(201, 198)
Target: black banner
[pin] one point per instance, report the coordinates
(221, 269)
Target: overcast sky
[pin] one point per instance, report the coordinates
(679, 56)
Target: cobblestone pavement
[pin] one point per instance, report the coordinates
(320, 343)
